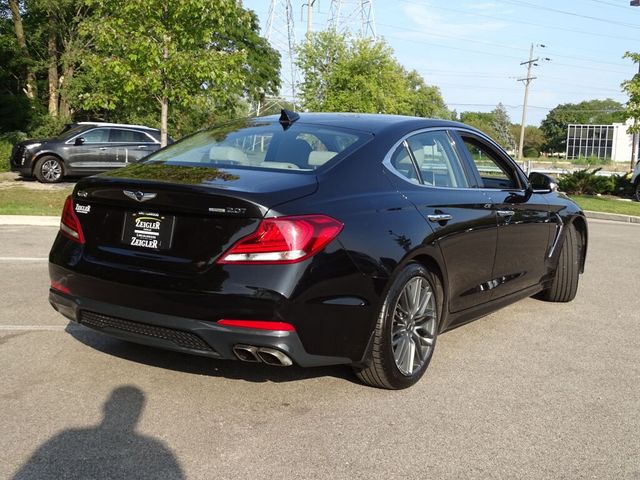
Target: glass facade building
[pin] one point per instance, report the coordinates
(585, 141)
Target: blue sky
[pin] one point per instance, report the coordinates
(472, 50)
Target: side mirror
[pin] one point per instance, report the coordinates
(541, 183)
(79, 141)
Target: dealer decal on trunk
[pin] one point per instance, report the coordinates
(148, 230)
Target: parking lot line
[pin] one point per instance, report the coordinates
(35, 328)
(23, 259)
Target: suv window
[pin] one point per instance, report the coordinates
(119, 135)
(97, 135)
(494, 172)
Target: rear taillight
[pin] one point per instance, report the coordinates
(69, 223)
(284, 240)
(258, 325)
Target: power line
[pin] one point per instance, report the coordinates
(566, 12)
(523, 22)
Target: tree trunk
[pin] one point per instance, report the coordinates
(31, 88)
(52, 52)
(64, 110)
(164, 115)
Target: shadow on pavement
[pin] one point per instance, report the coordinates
(182, 362)
(110, 450)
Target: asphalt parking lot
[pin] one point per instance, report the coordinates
(536, 390)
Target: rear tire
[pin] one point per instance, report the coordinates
(406, 331)
(565, 280)
(49, 169)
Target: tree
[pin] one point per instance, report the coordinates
(483, 121)
(175, 53)
(534, 139)
(502, 127)
(361, 75)
(632, 88)
(554, 126)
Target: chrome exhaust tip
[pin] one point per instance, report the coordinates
(271, 356)
(246, 353)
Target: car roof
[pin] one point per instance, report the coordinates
(370, 122)
(107, 124)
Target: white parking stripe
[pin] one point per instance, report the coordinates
(23, 259)
(36, 328)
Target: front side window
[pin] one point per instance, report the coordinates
(263, 145)
(97, 135)
(494, 172)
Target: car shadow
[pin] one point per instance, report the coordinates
(182, 362)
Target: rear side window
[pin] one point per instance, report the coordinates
(429, 158)
(268, 145)
(119, 135)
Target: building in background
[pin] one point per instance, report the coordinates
(600, 141)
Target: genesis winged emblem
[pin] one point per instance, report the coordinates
(139, 196)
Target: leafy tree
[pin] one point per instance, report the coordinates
(554, 126)
(502, 126)
(534, 139)
(191, 52)
(483, 121)
(361, 75)
(632, 88)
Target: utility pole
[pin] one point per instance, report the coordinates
(353, 16)
(527, 80)
(309, 6)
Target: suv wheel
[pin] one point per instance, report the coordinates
(49, 169)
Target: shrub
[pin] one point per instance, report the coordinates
(622, 185)
(591, 161)
(585, 182)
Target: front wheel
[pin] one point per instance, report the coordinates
(49, 169)
(406, 332)
(565, 279)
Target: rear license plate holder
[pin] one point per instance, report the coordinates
(148, 230)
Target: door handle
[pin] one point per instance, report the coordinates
(439, 217)
(505, 213)
(102, 148)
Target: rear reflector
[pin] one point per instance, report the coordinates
(59, 287)
(258, 325)
(69, 223)
(284, 240)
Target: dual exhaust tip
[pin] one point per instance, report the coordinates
(270, 356)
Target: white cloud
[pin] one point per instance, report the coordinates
(432, 23)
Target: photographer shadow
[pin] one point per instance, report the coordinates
(112, 449)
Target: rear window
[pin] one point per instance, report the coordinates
(263, 145)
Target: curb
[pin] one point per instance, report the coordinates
(616, 217)
(48, 221)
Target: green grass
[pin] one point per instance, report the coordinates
(18, 200)
(607, 205)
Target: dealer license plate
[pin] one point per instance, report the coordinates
(148, 230)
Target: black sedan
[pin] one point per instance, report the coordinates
(314, 239)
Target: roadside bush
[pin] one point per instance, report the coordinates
(585, 182)
(622, 185)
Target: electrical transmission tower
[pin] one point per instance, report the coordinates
(282, 37)
(353, 16)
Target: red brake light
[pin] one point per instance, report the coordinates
(69, 223)
(258, 324)
(284, 240)
(59, 287)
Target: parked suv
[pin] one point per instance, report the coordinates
(635, 180)
(84, 148)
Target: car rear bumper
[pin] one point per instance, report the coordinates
(181, 334)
